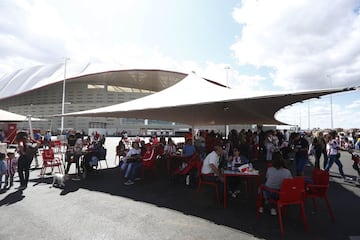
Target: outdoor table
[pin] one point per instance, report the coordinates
(254, 174)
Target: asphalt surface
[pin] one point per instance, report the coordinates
(102, 207)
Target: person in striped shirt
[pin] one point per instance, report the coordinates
(11, 163)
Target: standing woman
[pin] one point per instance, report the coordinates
(24, 161)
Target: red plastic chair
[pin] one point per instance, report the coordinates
(57, 146)
(201, 182)
(192, 163)
(291, 193)
(149, 165)
(318, 189)
(50, 161)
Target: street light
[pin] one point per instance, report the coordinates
(227, 68)
(331, 104)
(63, 97)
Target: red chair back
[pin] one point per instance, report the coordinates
(318, 189)
(320, 177)
(292, 190)
(48, 154)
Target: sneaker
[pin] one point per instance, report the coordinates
(129, 182)
(261, 210)
(348, 179)
(273, 212)
(137, 179)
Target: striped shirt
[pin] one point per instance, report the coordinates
(11, 166)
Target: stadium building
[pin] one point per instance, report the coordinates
(38, 92)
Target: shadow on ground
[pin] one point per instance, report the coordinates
(240, 212)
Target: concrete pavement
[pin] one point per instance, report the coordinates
(102, 207)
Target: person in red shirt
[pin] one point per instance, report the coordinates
(148, 159)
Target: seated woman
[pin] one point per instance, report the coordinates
(169, 154)
(148, 160)
(133, 155)
(170, 148)
(274, 177)
(120, 149)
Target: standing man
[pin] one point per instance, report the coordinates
(301, 147)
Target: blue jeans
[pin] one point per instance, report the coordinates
(133, 169)
(300, 162)
(332, 159)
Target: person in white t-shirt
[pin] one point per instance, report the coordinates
(211, 168)
(211, 162)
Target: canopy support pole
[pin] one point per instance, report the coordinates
(30, 127)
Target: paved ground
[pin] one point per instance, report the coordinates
(102, 207)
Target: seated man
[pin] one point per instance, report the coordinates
(188, 151)
(93, 155)
(188, 148)
(211, 168)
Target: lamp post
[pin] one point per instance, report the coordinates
(331, 105)
(63, 97)
(227, 68)
(308, 115)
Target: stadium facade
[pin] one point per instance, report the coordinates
(38, 92)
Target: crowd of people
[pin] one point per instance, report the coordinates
(76, 144)
(210, 147)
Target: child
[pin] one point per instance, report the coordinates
(3, 167)
(236, 159)
(11, 163)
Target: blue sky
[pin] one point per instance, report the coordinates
(269, 45)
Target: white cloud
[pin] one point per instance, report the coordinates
(302, 41)
(354, 105)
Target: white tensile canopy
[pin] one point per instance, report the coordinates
(6, 116)
(198, 102)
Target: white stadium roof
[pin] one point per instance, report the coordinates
(192, 100)
(25, 80)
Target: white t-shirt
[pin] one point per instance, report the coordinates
(332, 147)
(210, 158)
